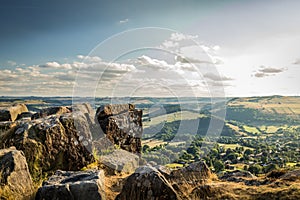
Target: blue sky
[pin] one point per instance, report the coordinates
(36, 31)
(42, 44)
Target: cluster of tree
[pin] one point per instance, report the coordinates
(258, 155)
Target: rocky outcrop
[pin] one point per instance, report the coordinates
(73, 185)
(120, 161)
(52, 143)
(195, 173)
(50, 111)
(11, 113)
(241, 176)
(15, 180)
(147, 183)
(122, 125)
(291, 175)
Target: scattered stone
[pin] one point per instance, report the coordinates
(15, 179)
(11, 113)
(147, 183)
(79, 185)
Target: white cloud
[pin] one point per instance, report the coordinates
(153, 63)
(89, 58)
(11, 63)
(56, 65)
(180, 37)
(124, 21)
(168, 44)
(183, 59)
(296, 62)
(217, 77)
(264, 71)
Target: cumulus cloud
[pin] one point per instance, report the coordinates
(200, 54)
(124, 21)
(217, 77)
(296, 62)
(153, 63)
(264, 71)
(56, 65)
(162, 65)
(180, 37)
(89, 58)
(183, 59)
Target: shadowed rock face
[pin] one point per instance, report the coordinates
(15, 179)
(147, 183)
(25, 115)
(73, 185)
(122, 125)
(11, 113)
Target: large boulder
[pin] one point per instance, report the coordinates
(79, 185)
(122, 125)
(50, 111)
(52, 143)
(15, 180)
(120, 161)
(193, 174)
(11, 113)
(147, 183)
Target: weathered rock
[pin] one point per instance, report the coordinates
(147, 183)
(242, 176)
(80, 185)
(116, 109)
(52, 143)
(237, 173)
(11, 113)
(50, 111)
(24, 115)
(122, 125)
(291, 175)
(163, 170)
(209, 192)
(120, 161)
(88, 112)
(193, 174)
(4, 127)
(15, 180)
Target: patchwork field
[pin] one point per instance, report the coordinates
(276, 104)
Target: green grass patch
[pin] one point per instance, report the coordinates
(174, 165)
(251, 129)
(233, 146)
